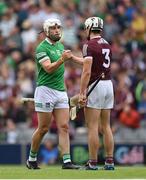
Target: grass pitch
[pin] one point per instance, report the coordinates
(55, 172)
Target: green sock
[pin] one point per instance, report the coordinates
(32, 156)
(66, 158)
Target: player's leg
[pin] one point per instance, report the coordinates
(44, 120)
(91, 118)
(62, 120)
(44, 104)
(107, 139)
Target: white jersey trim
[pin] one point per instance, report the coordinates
(44, 59)
(95, 37)
(85, 50)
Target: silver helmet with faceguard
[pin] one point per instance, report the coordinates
(94, 23)
(49, 23)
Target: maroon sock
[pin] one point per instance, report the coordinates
(109, 160)
(93, 162)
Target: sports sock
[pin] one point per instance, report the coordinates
(109, 160)
(66, 158)
(32, 156)
(93, 162)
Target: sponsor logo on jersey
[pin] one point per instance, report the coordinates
(58, 52)
(52, 52)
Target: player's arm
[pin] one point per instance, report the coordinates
(86, 73)
(50, 67)
(78, 60)
(85, 77)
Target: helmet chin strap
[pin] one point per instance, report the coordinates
(88, 38)
(41, 32)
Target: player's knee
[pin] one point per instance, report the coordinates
(64, 128)
(105, 128)
(43, 130)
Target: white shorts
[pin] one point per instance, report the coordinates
(102, 96)
(47, 99)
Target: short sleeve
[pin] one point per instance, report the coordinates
(87, 51)
(41, 55)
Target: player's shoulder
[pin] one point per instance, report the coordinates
(84, 48)
(41, 46)
(102, 41)
(99, 40)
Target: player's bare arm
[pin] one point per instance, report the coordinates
(78, 60)
(85, 79)
(50, 67)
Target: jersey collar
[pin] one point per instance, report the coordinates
(95, 37)
(46, 39)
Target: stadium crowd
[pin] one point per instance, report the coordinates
(124, 28)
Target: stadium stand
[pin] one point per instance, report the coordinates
(125, 28)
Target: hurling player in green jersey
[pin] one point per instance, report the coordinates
(50, 97)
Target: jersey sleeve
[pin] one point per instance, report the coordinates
(41, 55)
(87, 51)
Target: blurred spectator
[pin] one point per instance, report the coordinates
(20, 22)
(3, 7)
(141, 86)
(11, 132)
(129, 117)
(49, 153)
(138, 26)
(121, 17)
(111, 28)
(15, 40)
(14, 59)
(69, 34)
(8, 22)
(17, 113)
(29, 35)
(142, 105)
(24, 82)
(130, 9)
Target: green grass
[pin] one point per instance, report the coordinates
(55, 172)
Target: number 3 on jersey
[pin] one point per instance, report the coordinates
(106, 52)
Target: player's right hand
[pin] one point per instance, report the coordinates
(82, 100)
(66, 55)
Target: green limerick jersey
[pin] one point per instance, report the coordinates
(46, 50)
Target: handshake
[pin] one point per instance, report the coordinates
(66, 55)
